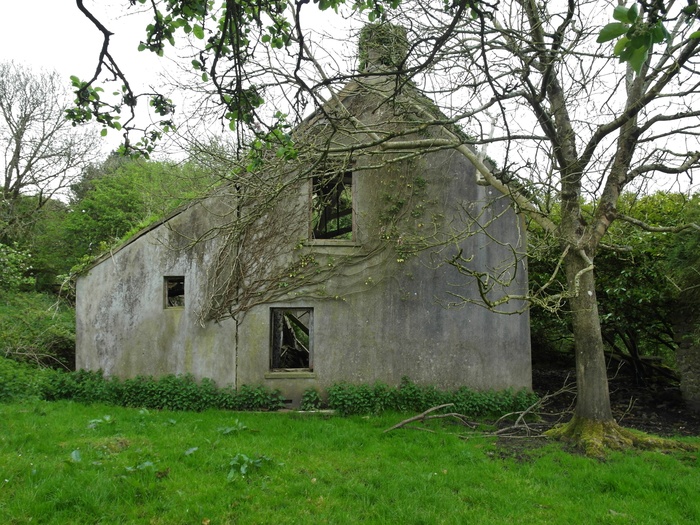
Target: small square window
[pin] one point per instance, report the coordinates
(291, 333)
(175, 292)
(331, 206)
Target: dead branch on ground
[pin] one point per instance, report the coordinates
(425, 417)
(520, 428)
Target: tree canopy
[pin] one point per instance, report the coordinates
(42, 152)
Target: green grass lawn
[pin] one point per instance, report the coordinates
(66, 463)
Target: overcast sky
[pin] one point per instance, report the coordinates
(54, 34)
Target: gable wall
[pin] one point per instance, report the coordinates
(385, 319)
(123, 327)
(379, 316)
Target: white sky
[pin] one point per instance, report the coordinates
(54, 34)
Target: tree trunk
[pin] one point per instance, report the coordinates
(593, 398)
(593, 428)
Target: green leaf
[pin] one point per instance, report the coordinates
(620, 46)
(638, 58)
(695, 34)
(626, 53)
(198, 31)
(621, 13)
(103, 132)
(633, 14)
(658, 33)
(611, 32)
(690, 9)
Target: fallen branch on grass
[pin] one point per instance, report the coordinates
(520, 428)
(520, 424)
(425, 417)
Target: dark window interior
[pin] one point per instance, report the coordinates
(332, 206)
(174, 292)
(291, 339)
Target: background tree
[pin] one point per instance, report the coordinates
(42, 153)
(640, 287)
(125, 194)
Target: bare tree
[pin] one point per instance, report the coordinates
(569, 125)
(42, 153)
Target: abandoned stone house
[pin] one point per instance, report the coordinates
(362, 269)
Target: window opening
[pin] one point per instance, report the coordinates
(174, 292)
(332, 206)
(291, 347)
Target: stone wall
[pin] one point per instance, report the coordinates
(687, 329)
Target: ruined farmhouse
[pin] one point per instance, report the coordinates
(362, 254)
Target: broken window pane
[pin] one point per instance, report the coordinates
(332, 206)
(174, 292)
(291, 345)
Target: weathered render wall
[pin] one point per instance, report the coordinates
(387, 316)
(123, 326)
(382, 310)
(687, 334)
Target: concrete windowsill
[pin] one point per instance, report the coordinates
(335, 243)
(335, 248)
(282, 374)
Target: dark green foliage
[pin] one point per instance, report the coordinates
(19, 381)
(124, 194)
(257, 398)
(169, 392)
(46, 240)
(16, 267)
(310, 400)
(644, 290)
(184, 393)
(37, 328)
(82, 386)
(349, 399)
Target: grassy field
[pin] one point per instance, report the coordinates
(65, 463)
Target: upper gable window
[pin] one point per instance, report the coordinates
(174, 292)
(331, 208)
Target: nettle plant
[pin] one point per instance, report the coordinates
(353, 399)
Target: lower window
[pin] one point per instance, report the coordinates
(291, 345)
